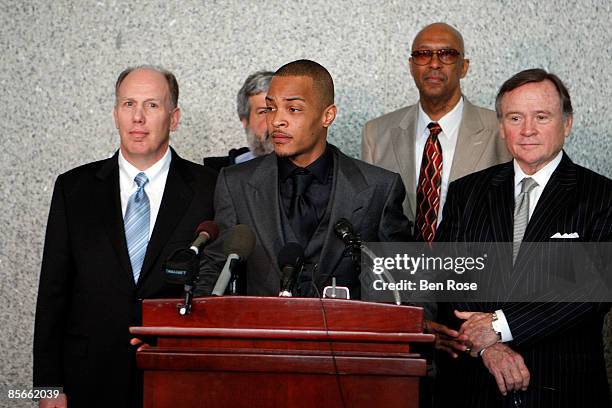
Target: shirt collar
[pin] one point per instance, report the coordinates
(541, 176)
(320, 168)
(448, 122)
(152, 172)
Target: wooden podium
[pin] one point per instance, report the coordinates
(280, 352)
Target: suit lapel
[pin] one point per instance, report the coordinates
(471, 142)
(109, 199)
(262, 193)
(403, 145)
(557, 194)
(501, 203)
(350, 196)
(177, 197)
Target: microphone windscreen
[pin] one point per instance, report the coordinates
(291, 254)
(240, 241)
(210, 227)
(343, 229)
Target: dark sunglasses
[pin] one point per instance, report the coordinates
(445, 55)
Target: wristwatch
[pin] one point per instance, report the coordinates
(495, 326)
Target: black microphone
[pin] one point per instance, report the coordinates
(237, 247)
(344, 230)
(206, 231)
(183, 265)
(290, 261)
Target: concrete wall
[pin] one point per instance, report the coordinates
(60, 59)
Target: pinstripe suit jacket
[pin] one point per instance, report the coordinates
(561, 343)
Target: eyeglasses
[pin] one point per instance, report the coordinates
(445, 55)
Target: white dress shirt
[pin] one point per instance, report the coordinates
(448, 140)
(157, 175)
(541, 177)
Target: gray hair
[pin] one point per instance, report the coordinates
(255, 83)
(170, 78)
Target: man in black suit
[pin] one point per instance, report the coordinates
(529, 354)
(111, 225)
(251, 109)
(298, 193)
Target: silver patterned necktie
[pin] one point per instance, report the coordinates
(521, 214)
(136, 221)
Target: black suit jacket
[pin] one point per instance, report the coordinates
(87, 297)
(219, 162)
(561, 343)
(368, 196)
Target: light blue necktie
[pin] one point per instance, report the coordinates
(136, 223)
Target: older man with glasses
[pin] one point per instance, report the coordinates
(439, 139)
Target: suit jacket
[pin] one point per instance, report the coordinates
(87, 297)
(389, 142)
(248, 193)
(218, 162)
(561, 343)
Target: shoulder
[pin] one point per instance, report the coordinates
(86, 172)
(372, 173)
(593, 182)
(391, 119)
(486, 116)
(483, 179)
(193, 171)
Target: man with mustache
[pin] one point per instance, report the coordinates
(251, 107)
(301, 191)
(439, 139)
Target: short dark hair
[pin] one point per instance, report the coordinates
(170, 78)
(321, 77)
(535, 75)
(255, 84)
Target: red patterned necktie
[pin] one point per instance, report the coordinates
(428, 189)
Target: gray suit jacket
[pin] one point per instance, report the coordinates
(389, 142)
(369, 197)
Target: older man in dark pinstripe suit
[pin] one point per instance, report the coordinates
(529, 354)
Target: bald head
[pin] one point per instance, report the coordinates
(438, 29)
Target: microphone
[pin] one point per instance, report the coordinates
(344, 230)
(237, 247)
(183, 265)
(206, 231)
(290, 261)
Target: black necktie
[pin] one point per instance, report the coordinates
(302, 214)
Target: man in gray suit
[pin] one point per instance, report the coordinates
(467, 136)
(298, 193)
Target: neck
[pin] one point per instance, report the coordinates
(436, 108)
(142, 163)
(307, 158)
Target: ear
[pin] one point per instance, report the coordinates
(244, 123)
(464, 67)
(175, 116)
(115, 117)
(329, 114)
(567, 126)
(502, 134)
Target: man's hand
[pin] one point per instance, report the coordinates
(137, 342)
(477, 331)
(507, 366)
(58, 402)
(446, 339)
